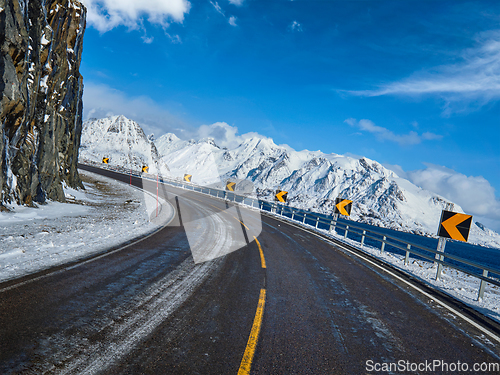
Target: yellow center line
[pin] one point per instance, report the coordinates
(242, 223)
(246, 362)
(262, 260)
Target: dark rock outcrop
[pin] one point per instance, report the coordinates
(40, 98)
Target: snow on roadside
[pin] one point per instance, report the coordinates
(455, 283)
(105, 214)
(452, 282)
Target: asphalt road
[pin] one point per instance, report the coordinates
(150, 309)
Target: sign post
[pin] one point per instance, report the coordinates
(452, 225)
(343, 207)
(230, 185)
(280, 196)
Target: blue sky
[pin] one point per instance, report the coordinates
(414, 85)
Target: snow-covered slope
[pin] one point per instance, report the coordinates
(122, 141)
(313, 179)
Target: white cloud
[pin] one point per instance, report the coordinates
(236, 2)
(105, 15)
(385, 134)
(232, 21)
(218, 8)
(225, 135)
(396, 169)
(101, 101)
(428, 136)
(476, 77)
(473, 193)
(176, 39)
(295, 26)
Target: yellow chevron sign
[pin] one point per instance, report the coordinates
(187, 177)
(281, 196)
(105, 160)
(343, 206)
(230, 185)
(145, 168)
(454, 225)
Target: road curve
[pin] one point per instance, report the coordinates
(149, 309)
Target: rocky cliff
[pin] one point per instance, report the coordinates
(40, 98)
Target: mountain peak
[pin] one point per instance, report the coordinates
(313, 179)
(210, 141)
(121, 140)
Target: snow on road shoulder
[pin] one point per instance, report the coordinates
(455, 283)
(452, 282)
(105, 214)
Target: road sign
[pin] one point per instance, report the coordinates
(343, 207)
(105, 160)
(281, 196)
(454, 225)
(145, 168)
(230, 185)
(187, 177)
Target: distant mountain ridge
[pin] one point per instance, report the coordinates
(122, 141)
(313, 179)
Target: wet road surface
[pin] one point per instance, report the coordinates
(149, 309)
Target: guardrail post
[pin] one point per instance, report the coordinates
(382, 248)
(363, 238)
(317, 221)
(334, 222)
(440, 248)
(346, 230)
(407, 256)
(261, 205)
(482, 286)
(304, 220)
(293, 213)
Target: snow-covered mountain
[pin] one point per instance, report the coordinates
(313, 179)
(122, 141)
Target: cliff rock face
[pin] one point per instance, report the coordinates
(40, 98)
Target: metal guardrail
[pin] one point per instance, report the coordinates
(407, 246)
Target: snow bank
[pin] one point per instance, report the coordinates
(105, 215)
